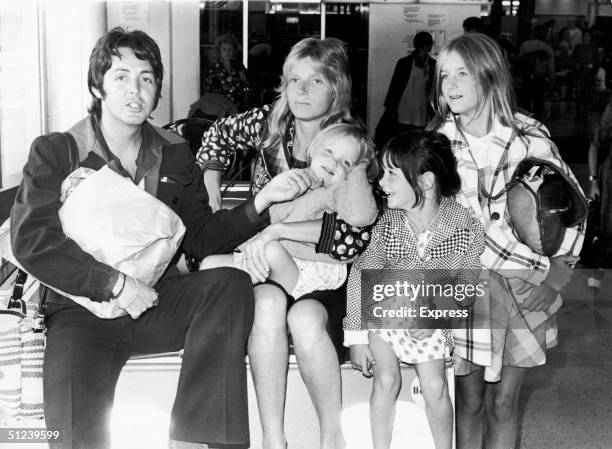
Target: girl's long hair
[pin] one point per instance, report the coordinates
(484, 60)
(331, 60)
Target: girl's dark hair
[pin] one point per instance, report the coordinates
(416, 152)
(144, 48)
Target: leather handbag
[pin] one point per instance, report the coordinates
(543, 202)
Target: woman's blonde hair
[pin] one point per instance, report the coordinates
(364, 145)
(331, 60)
(484, 60)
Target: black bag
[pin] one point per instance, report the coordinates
(542, 202)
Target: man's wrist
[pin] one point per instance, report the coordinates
(118, 287)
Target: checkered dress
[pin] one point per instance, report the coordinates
(456, 243)
(504, 254)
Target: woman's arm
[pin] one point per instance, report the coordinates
(340, 240)
(220, 142)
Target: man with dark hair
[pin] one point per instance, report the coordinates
(536, 68)
(208, 313)
(474, 25)
(407, 101)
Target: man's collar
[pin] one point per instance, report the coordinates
(89, 138)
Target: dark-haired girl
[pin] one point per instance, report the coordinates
(423, 228)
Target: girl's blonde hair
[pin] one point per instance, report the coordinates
(331, 61)
(484, 60)
(364, 145)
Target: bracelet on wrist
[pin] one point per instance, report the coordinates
(116, 295)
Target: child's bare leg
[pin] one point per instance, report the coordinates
(438, 406)
(385, 389)
(218, 261)
(283, 269)
(470, 414)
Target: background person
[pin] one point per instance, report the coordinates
(407, 103)
(537, 72)
(227, 76)
(600, 179)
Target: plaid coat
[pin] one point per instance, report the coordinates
(504, 253)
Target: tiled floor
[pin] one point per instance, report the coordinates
(567, 404)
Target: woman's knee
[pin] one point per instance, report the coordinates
(307, 319)
(270, 308)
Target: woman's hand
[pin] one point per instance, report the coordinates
(362, 359)
(212, 181)
(540, 299)
(255, 253)
(283, 187)
(560, 271)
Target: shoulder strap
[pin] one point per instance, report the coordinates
(73, 152)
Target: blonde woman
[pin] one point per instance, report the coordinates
(315, 92)
(475, 109)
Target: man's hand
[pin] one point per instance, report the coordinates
(283, 187)
(136, 297)
(362, 359)
(540, 299)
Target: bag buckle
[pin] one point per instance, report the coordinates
(15, 301)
